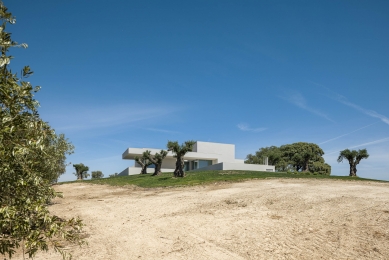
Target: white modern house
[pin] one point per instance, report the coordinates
(205, 156)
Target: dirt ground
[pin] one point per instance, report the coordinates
(260, 219)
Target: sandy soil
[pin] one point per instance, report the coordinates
(262, 219)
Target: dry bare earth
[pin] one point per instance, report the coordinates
(261, 219)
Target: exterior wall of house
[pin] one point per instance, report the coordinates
(238, 167)
(168, 163)
(223, 152)
(136, 170)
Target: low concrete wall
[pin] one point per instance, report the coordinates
(214, 167)
(248, 167)
(136, 170)
(238, 166)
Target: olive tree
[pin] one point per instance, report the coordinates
(156, 159)
(353, 157)
(144, 161)
(32, 155)
(179, 152)
(57, 147)
(97, 175)
(81, 171)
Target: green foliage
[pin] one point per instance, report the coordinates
(97, 174)
(113, 175)
(157, 160)
(144, 161)
(32, 156)
(208, 177)
(179, 152)
(354, 157)
(273, 154)
(57, 147)
(320, 168)
(81, 171)
(296, 157)
(300, 155)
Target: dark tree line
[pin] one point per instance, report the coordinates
(296, 157)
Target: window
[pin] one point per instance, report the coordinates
(204, 163)
(197, 164)
(186, 166)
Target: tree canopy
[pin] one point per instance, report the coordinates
(353, 157)
(179, 152)
(32, 157)
(156, 159)
(301, 156)
(81, 171)
(113, 175)
(144, 161)
(97, 174)
(273, 154)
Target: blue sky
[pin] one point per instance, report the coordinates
(119, 74)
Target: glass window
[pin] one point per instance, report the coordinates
(194, 165)
(204, 163)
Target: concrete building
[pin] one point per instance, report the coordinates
(205, 156)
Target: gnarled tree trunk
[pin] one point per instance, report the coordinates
(157, 170)
(353, 170)
(179, 171)
(157, 161)
(144, 167)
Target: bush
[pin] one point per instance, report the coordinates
(32, 157)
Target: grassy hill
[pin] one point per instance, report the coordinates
(206, 177)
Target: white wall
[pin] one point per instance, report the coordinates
(136, 170)
(224, 152)
(167, 163)
(248, 167)
(239, 167)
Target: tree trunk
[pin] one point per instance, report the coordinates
(144, 170)
(157, 170)
(353, 170)
(179, 171)
(306, 166)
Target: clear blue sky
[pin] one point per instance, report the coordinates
(119, 74)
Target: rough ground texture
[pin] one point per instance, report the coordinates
(260, 219)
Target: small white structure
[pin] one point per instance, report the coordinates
(205, 156)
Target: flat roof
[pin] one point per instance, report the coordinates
(131, 153)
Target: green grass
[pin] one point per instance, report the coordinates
(206, 177)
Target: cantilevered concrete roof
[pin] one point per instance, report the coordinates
(131, 153)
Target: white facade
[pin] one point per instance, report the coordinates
(205, 156)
